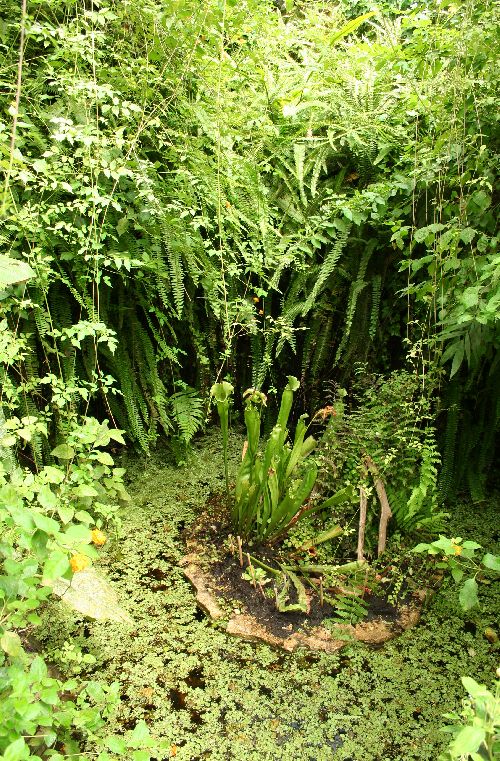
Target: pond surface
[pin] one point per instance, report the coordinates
(215, 697)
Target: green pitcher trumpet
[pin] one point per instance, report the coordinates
(273, 482)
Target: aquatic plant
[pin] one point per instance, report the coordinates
(272, 484)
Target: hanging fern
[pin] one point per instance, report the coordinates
(356, 288)
(188, 412)
(322, 330)
(327, 268)
(421, 509)
(452, 403)
(375, 307)
(299, 152)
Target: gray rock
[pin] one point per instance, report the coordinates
(92, 595)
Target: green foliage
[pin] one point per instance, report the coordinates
(273, 485)
(180, 184)
(476, 729)
(45, 524)
(188, 412)
(221, 393)
(298, 698)
(188, 185)
(458, 557)
(387, 419)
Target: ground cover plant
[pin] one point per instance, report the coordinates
(213, 696)
(295, 198)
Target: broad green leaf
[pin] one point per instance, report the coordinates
(22, 517)
(53, 475)
(468, 740)
(140, 734)
(141, 755)
(468, 595)
(422, 547)
(475, 690)
(14, 271)
(491, 561)
(10, 642)
(116, 745)
(44, 523)
(55, 566)
(83, 516)
(46, 498)
(85, 490)
(104, 458)
(65, 513)
(470, 297)
(467, 234)
(116, 435)
(16, 751)
(38, 669)
(63, 452)
(8, 441)
(78, 532)
(122, 225)
(50, 695)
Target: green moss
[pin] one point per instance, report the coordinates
(220, 698)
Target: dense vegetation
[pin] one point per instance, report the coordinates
(204, 197)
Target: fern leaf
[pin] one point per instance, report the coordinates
(188, 412)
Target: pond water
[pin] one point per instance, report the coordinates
(215, 697)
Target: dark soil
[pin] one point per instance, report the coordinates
(212, 531)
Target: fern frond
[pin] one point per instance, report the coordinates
(188, 411)
(375, 307)
(299, 154)
(356, 288)
(327, 268)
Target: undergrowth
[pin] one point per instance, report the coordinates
(211, 696)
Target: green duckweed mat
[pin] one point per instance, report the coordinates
(215, 697)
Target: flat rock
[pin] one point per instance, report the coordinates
(92, 595)
(247, 627)
(204, 597)
(318, 639)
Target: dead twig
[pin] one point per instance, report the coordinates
(386, 511)
(363, 502)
